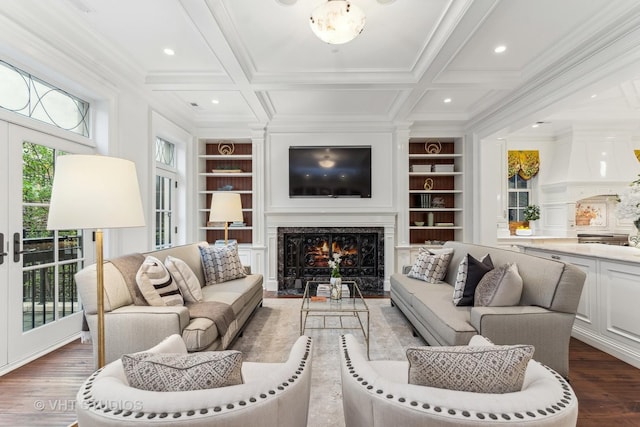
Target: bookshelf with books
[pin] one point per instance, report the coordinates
(435, 190)
(225, 165)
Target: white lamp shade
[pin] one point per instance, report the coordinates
(94, 192)
(225, 207)
(337, 21)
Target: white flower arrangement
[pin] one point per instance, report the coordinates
(629, 206)
(335, 265)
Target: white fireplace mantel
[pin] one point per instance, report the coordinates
(387, 220)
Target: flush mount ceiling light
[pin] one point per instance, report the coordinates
(326, 162)
(337, 21)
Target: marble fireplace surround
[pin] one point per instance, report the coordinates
(385, 220)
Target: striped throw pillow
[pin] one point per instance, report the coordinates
(155, 283)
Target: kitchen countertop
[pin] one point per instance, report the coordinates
(592, 250)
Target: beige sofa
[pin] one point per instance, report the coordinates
(130, 328)
(273, 395)
(544, 318)
(377, 394)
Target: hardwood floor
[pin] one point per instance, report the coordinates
(42, 393)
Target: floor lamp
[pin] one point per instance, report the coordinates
(95, 192)
(225, 206)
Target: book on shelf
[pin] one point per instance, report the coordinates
(444, 168)
(425, 200)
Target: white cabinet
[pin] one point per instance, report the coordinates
(608, 316)
(619, 297)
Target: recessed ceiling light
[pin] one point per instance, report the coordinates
(447, 100)
(594, 95)
(535, 125)
(500, 49)
(215, 101)
(169, 51)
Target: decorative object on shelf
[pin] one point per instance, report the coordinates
(524, 163)
(433, 147)
(226, 148)
(226, 170)
(336, 277)
(629, 208)
(337, 21)
(437, 202)
(227, 187)
(428, 184)
(430, 219)
(107, 196)
(419, 223)
(226, 207)
(422, 168)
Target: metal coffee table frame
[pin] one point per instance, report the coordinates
(354, 306)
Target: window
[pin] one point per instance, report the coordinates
(519, 197)
(25, 94)
(51, 258)
(166, 186)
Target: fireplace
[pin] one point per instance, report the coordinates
(304, 254)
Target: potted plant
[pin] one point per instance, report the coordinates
(531, 213)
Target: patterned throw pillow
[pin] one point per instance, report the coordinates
(221, 263)
(185, 278)
(501, 287)
(183, 372)
(156, 284)
(431, 267)
(484, 369)
(470, 271)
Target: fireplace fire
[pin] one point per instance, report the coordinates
(304, 254)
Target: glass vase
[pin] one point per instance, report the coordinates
(336, 288)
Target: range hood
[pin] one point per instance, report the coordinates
(581, 164)
(588, 163)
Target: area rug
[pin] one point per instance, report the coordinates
(275, 327)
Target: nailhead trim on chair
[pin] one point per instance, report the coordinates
(458, 413)
(96, 406)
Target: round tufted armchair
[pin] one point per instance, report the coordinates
(273, 395)
(377, 394)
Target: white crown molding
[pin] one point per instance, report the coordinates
(612, 52)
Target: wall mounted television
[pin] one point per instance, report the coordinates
(330, 171)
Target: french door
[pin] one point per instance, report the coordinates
(38, 297)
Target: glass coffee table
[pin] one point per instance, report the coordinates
(323, 312)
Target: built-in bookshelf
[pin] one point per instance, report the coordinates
(435, 190)
(225, 165)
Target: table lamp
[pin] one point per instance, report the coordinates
(225, 207)
(95, 192)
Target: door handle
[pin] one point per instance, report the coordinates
(2, 252)
(16, 248)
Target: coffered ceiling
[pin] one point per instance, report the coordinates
(261, 64)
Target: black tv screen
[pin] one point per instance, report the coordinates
(331, 171)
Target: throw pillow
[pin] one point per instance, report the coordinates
(155, 283)
(484, 369)
(431, 267)
(470, 271)
(501, 287)
(183, 372)
(221, 263)
(185, 278)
